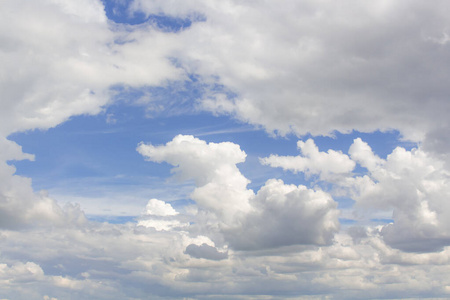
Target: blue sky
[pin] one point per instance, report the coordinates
(224, 150)
(95, 156)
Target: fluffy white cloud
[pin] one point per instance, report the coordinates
(308, 66)
(325, 164)
(61, 58)
(412, 184)
(160, 225)
(160, 216)
(157, 207)
(278, 215)
(411, 187)
(21, 207)
(361, 153)
(220, 185)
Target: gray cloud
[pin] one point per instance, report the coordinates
(363, 66)
(285, 215)
(205, 251)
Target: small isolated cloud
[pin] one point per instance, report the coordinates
(205, 251)
(110, 119)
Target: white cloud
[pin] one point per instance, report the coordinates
(160, 216)
(325, 164)
(361, 153)
(160, 225)
(60, 59)
(21, 206)
(157, 207)
(303, 66)
(106, 261)
(278, 215)
(410, 186)
(309, 66)
(20, 272)
(221, 187)
(413, 185)
(12, 151)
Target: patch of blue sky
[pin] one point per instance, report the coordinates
(96, 157)
(94, 146)
(171, 98)
(91, 151)
(345, 221)
(382, 220)
(344, 202)
(112, 219)
(119, 12)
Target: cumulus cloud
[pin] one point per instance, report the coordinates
(160, 216)
(363, 66)
(278, 215)
(61, 59)
(74, 60)
(307, 66)
(220, 185)
(285, 215)
(413, 185)
(157, 207)
(361, 153)
(325, 164)
(21, 207)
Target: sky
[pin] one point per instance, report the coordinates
(229, 149)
